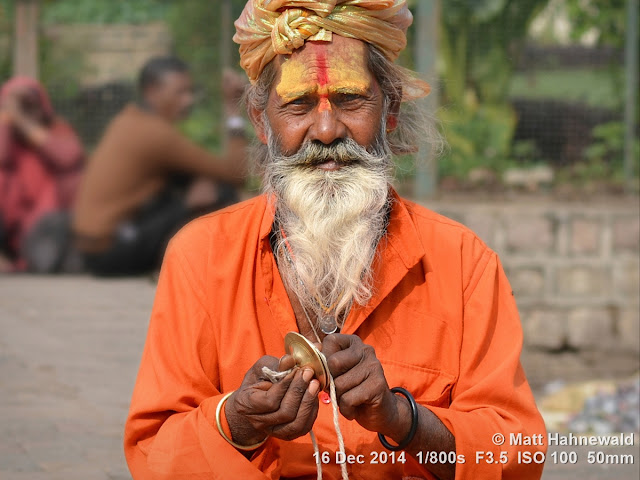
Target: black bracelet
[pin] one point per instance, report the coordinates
(414, 423)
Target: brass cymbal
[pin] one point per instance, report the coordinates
(307, 355)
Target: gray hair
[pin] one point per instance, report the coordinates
(415, 126)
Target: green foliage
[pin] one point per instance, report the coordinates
(608, 17)
(591, 86)
(479, 39)
(104, 11)
(478, 137)
(604, 160)
(6, 31)
(526, 153)
(62, 64)
(606, 153)
(197, 36)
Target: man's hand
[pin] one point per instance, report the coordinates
(285, 410)
(233, 85)
(361, 387)
(9, 108)
(12, 113)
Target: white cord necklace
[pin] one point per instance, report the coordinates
(277, 376)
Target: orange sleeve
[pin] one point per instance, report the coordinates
(492, 395)
(171, 431)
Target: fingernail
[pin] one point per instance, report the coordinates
(314, 386)
(307, 375)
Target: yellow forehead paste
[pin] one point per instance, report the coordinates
(321, 72)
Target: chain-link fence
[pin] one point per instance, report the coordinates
(521, 85)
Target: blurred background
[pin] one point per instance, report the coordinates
(538, 102)
(531, 94)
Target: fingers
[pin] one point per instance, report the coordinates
(264, 398)
(305, 416)
(265, 361)
(291, 401)
(286, 362)
(277, 404)
(289, 404)
(349, 353)
(367, 392)
(233, 85)
(361, 387)
(256, 374)
(286, 409)
(343, 361)
(337, 341)
(296, 411)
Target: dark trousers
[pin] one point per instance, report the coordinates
(139, 244)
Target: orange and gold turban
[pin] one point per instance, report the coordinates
(268, 28)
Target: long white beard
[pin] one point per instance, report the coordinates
(332, 222)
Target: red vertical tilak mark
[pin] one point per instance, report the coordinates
(323, 78)
(323, 67)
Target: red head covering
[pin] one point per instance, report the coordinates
(21, 82)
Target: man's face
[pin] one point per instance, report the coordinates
(328, 168)
(173, 96)
(324, 92)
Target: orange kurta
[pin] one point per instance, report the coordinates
(442, 320)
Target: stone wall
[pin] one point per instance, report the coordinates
(574, 268)
(111, 53)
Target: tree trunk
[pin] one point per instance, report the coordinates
(25, 53)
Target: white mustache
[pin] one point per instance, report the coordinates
(345, 152)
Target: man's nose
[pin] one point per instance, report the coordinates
(327, 127)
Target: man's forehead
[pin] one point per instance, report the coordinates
(349, 49)
(325, 66)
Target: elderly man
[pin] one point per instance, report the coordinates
(392, 294)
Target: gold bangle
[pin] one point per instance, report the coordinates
(221, 431)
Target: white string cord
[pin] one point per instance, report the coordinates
(336, 424)
(275, 377)
(316, 454)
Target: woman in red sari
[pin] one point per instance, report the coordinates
(41, 159)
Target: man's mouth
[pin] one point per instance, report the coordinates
(330, 166)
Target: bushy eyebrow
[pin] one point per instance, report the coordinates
(351, 90)
(344, 90)
(300, 93)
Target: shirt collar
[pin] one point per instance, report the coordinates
(402, 235)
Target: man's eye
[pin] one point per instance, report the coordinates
(299, 101)
(347, 98)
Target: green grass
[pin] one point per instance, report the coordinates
(597, 88)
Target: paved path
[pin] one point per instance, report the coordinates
(69, 353)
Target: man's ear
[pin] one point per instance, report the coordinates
(150, 96)
(392, 115)
(257, 119)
